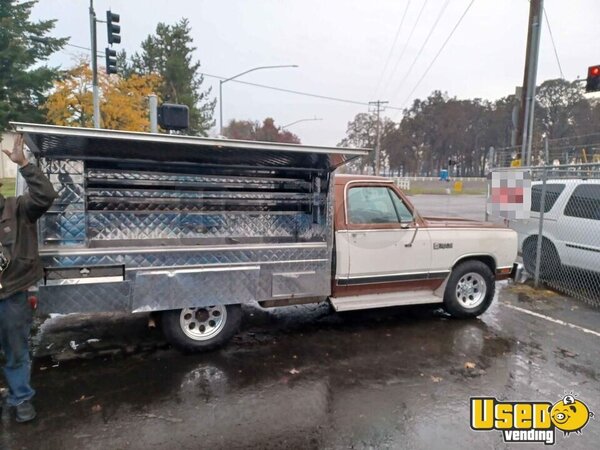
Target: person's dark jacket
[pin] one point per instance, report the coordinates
(18, 231)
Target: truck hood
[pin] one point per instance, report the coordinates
(456, 222)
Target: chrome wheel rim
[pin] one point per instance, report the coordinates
(471, 290)
(203, 323)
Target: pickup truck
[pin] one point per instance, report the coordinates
(192, 228)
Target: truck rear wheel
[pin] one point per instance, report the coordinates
(470, 289)
(201, 328)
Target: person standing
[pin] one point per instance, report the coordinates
(20, 268)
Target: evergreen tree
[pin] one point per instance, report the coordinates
(169, 53)
(23, 46)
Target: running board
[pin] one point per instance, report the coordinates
(384, 300)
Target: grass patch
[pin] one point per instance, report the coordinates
(8, 187)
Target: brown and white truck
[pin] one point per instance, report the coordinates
(192, 228)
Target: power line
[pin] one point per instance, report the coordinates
(275, 88)
(441, 13)
(378, 104)
(553, 44)
(393, 72)
(438, 53)
(84, 48)
(79, 46)
(389, 56)
(291, 91)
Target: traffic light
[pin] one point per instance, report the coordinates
(113, 29)
(593, 79)
(111, 60)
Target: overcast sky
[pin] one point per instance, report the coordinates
(342, 47)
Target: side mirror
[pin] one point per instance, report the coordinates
(405, 224)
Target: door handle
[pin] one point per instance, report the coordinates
(410, 244)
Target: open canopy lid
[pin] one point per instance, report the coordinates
(93, 144)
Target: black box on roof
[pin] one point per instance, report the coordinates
(173, 117)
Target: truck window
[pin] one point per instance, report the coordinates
(553, 191)
(402, 210)
(368, 205)
(584, 202)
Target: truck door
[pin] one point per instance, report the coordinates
(382, 248)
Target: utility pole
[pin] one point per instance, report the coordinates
(379, 107)
(94, 66)
(526, 115)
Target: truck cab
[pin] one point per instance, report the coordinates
(387, 254)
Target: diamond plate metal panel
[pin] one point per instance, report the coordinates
(66, 228)
(61, 166)
(65, 223)
(70, 197)
(162, 179)
(295, 284)
(85, 298)
(107, 145)
(322, 279)
(57, 179)
(127, 225)
(157, 259)
(118, 194)
(162, 290)
(270, 260)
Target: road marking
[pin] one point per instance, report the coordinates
(551, 319)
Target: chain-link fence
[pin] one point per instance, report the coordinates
(560, 242)
(579, 149)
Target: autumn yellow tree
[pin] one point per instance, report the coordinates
(123, 101)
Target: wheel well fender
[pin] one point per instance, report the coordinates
(534, 237)
(488, 260)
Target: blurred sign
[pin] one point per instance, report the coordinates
(510, 194)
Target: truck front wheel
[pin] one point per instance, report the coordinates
(201, 328)
(470, 289)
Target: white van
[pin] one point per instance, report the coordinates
(571, 229)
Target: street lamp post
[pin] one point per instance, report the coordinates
(221, 82)
(301, 120)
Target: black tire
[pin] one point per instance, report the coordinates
(463, 273)
(550, 262)
(173, 328)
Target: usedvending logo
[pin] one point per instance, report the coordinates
(530, 421)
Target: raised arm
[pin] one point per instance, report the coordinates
(41, 194)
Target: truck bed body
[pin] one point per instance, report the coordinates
(148, 222)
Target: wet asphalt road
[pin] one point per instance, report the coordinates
(304, 377)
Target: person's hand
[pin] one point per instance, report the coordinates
(17, 155)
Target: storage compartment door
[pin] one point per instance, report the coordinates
(173, 289)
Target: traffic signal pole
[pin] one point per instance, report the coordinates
(525, 134)
(94, 66)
